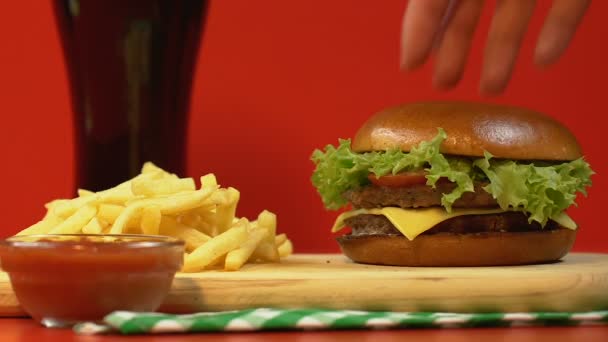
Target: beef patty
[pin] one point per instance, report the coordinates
(417, 196)
(368, 224)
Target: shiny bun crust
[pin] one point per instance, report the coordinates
(448, 249)
(505, 132)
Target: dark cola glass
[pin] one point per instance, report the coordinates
(130, 65)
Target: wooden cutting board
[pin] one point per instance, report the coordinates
(578, 283)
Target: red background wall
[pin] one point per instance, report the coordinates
(277, 79)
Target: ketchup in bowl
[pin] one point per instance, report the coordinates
(63, 279)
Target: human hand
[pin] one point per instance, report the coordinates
(446, 27)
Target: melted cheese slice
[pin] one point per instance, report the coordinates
(413, 222)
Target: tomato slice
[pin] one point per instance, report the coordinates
(399, 180)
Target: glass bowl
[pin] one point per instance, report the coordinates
(63, 279)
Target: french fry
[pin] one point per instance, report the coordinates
(149, 175)
(66, 209)
(192, 237)
(215, 248)
(116, 196)
(43, 226)
(237, 257)
(267, 249)
(226, 213)
(74, 223)
(206, 228)
(217, 198)
(280, 239)
(177, 203)
(52, 204)
(49, 213)
(151, 187)
(109, 212)
(285, 249)
(150, 220)
(218, 261)
(148, 171)
(201, 219)
(149, 168)
(106, 229)
(196, 221)
(192, 219)
(84, 193)
(130, 213)
(93, 227)
(208, 180)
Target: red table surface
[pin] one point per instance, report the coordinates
(27, 330)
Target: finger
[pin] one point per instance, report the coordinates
(445, 20)
(558, 30)
(421, 22)
(455, 43)
(507, 31)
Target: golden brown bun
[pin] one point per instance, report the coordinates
(447, 249)
(505, 132)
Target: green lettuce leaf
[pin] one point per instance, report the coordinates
(543, 191)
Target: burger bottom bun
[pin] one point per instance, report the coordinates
(450, 249)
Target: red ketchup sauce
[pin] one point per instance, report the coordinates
(63, 279)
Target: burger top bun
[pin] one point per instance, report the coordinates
(504, 131)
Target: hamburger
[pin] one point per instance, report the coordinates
(454, 184)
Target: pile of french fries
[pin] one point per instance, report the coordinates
(156, 202)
